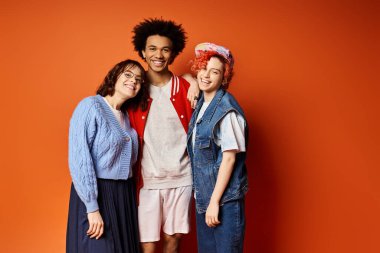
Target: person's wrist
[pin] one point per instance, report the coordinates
(214, 201)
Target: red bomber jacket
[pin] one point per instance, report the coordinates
(138, 117)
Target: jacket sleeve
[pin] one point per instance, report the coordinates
(81, 136)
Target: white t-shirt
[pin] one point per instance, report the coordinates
(165, 163)
(229, 132)
(118, 114)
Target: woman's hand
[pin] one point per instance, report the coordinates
(212, 215)
(96, 225)
(224, 175)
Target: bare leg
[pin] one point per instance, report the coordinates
(171, 243)
(148, 247)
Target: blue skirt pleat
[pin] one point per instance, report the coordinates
(117, 205)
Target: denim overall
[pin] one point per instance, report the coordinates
(206, 158)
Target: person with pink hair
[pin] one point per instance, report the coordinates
(217, 140)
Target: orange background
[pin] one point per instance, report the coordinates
(306, 75)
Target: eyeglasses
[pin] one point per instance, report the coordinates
(129, 75)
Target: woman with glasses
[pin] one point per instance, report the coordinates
(102, 151)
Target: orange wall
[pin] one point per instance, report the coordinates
(305, 75)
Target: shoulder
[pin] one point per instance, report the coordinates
(230, 103)
(92, 101)
(88, 105)
(181, 81)
(228, 97)
(233, 118)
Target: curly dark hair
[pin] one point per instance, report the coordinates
(166, 28)
(107, 87)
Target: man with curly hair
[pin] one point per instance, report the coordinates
(165, 179)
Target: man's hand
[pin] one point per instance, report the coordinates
(193, 92)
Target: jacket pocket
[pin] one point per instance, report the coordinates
(203, 153)
(202, 144)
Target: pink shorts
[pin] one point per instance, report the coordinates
(166, 208)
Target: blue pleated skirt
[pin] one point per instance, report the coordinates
(118, 207)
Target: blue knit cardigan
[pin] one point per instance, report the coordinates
(98, 148)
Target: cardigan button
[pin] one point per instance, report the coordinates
(143, 117)
(181, 116)
(173, 99)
